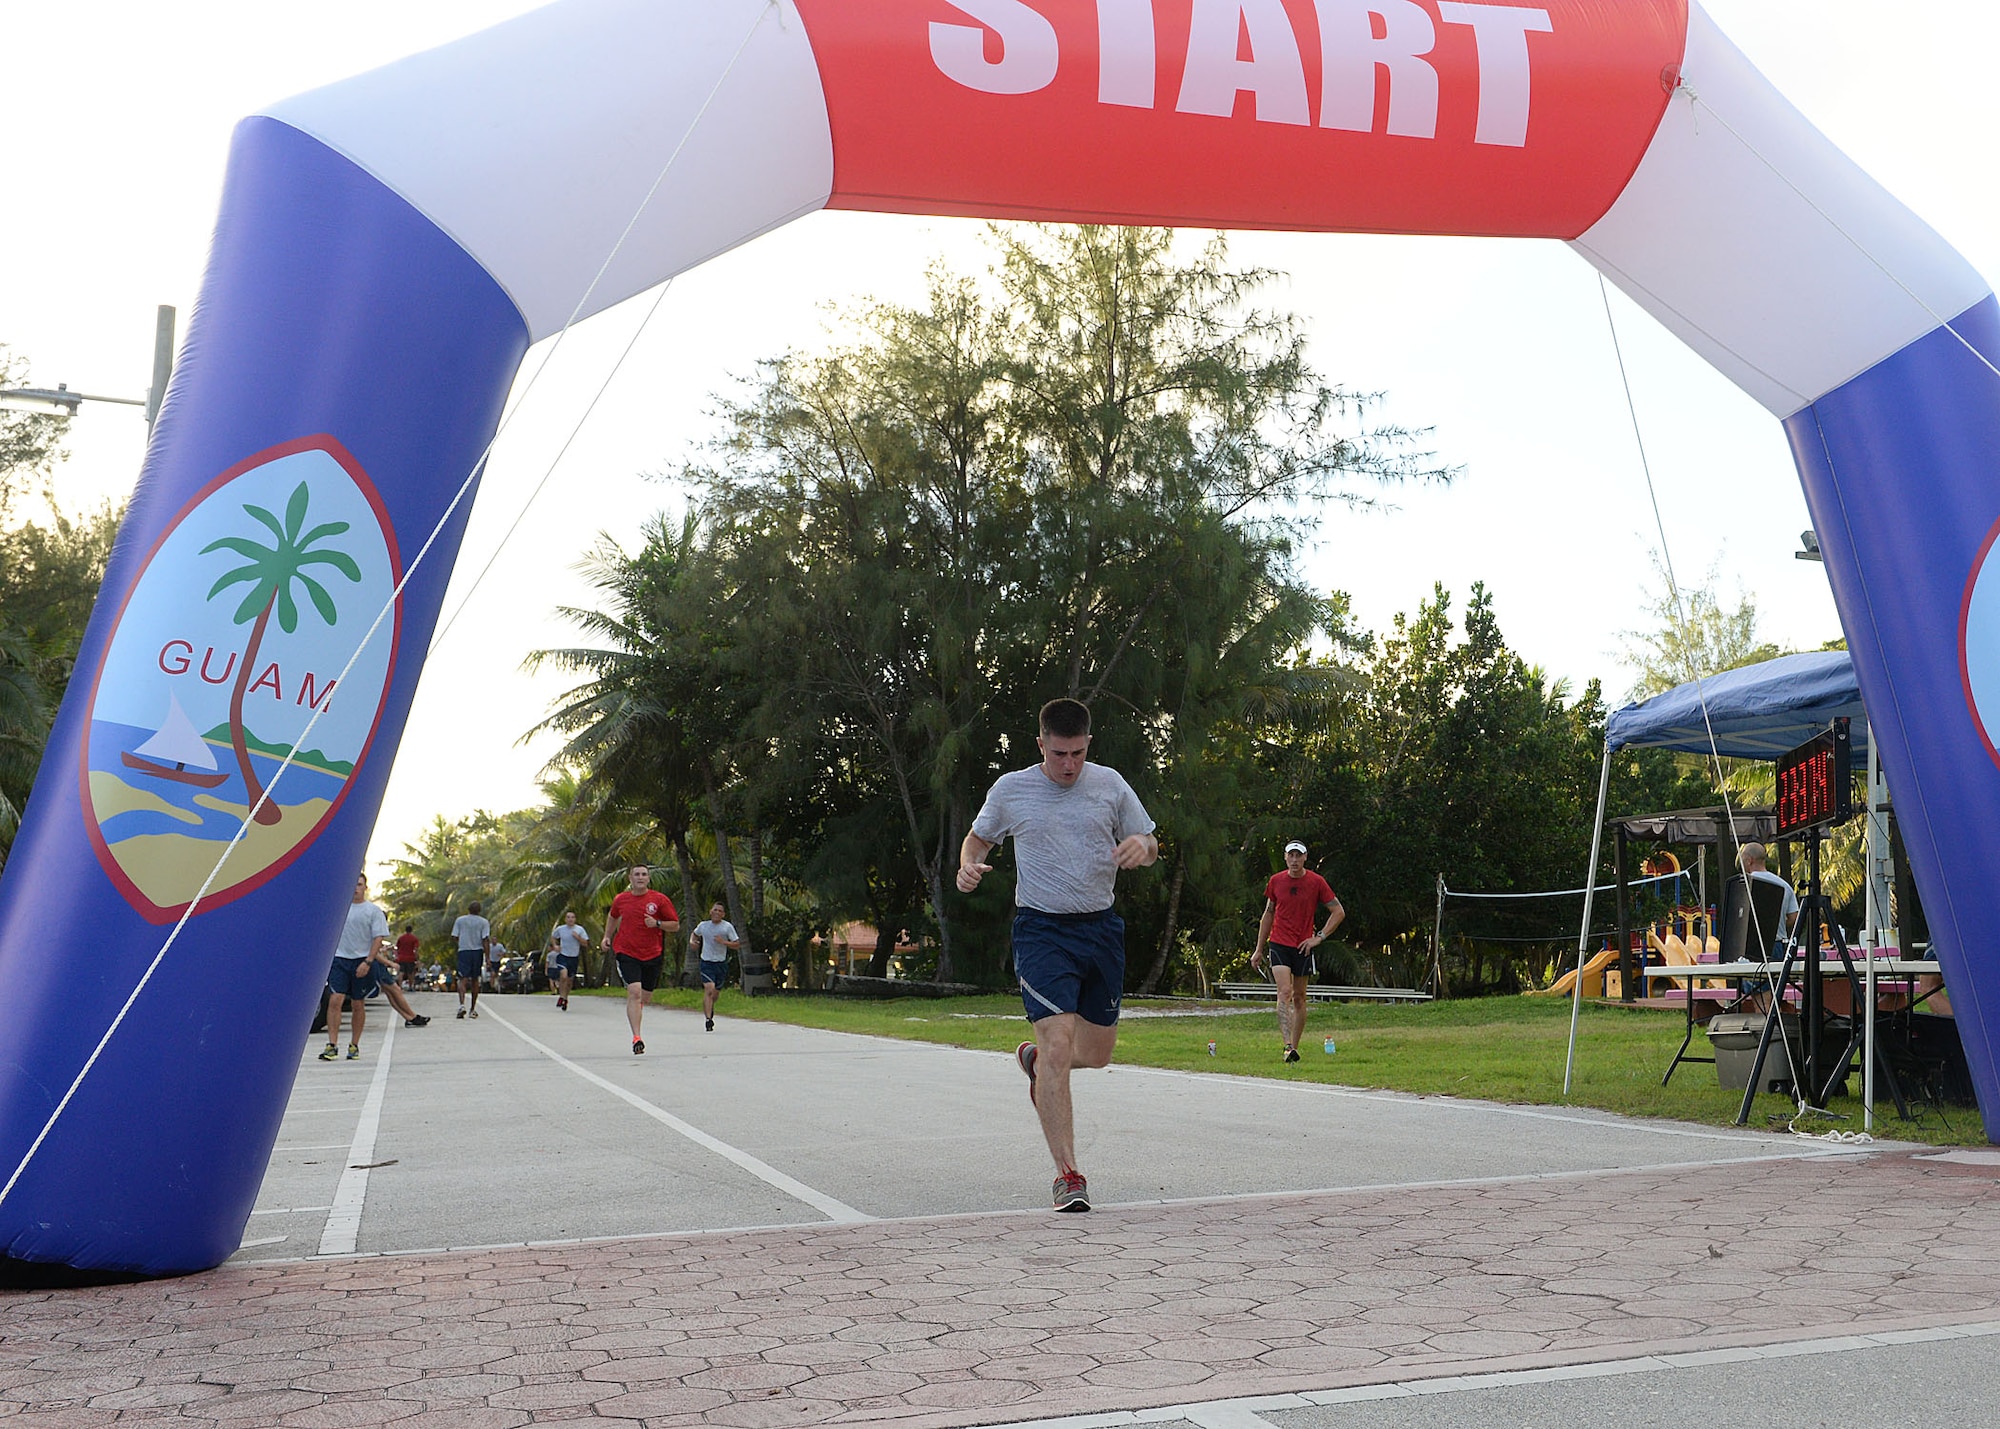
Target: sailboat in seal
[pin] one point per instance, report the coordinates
(173, 747)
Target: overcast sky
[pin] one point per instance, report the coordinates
(118, 118)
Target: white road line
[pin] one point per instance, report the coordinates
(837, 1211)
(343, 1221)
(1247, 1413)
(261, 1240)
(289, 1210)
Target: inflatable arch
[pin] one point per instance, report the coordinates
(388, 248)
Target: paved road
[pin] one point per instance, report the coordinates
(531, 1124)
(771, 1226)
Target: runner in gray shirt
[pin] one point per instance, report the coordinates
(1074, 826)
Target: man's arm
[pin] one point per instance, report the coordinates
(610, 928)
(972, 865)
(1333, 920)
(732, 942)
(1263, 934)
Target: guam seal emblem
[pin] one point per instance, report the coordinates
(231, 641)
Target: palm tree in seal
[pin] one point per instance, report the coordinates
(271, 573)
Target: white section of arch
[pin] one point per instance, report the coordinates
(1777, 278)
(533, 143)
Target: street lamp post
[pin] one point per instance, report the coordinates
(59, 401)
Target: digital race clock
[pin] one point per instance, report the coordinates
(1815, 788)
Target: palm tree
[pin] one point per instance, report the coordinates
(271, 572)
(630, 725)
(573, 855)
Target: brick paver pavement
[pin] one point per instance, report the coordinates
(974, 1319)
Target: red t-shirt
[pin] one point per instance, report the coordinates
(633, 938)
(1298, 901)
(406, 948)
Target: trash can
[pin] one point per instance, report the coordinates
(1734, 1036)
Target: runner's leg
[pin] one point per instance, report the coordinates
(1282, 975)
(635, 1006)
(334, 1002)
(1299, 1003)
(1064, 1041)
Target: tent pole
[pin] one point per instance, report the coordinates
(1589, 905)
(1625, 971)
(1877, 918)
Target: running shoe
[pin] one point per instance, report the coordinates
(1291, 1054)
(1071, 1192)
(637, 1046)
(473, 1013)
(711, 1023)
(418, 1021)
(1025, 1055)
(354, 1052)
(461, 1012)
(562, 1004)
(331, 1054)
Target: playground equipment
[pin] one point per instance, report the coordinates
(389, 247)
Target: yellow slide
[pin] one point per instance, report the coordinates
(1593, 977)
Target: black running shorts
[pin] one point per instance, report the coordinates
(644, 971)
(1297, 960)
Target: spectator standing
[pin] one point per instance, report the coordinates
(406, 956)
(364, 937)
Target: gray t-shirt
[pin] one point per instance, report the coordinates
(472, 932)
(1064, 838)
(365, 923)
(713, 935)
(1786, 912)
(569, 939)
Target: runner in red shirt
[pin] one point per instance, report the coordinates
(406, 955)
(1292, 900)
(636, 931)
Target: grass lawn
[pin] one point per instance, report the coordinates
(1507, 1049)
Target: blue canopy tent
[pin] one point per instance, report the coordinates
(1757, 712)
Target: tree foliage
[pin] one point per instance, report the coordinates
(1085, 480)
(51, 562)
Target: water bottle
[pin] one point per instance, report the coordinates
(1329, 1046)
(1211, 1049)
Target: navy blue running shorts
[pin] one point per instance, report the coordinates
(1070, 962)
(716, 973)
(348, 980)
(470, 961)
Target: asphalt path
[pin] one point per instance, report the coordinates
(533, 1125)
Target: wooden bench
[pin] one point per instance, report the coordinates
(1323, 993)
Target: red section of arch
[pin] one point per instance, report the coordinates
(908, 139)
